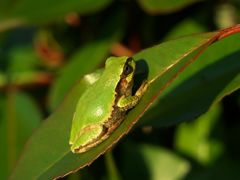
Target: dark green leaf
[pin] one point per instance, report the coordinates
(48, 148)
(112, 170)
(152, 162)
(214, 75)
(164, 6)
(45, 10)
(194, 139)
(15, 127)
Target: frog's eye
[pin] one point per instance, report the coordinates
(127, 69)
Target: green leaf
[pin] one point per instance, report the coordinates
(47, 10)
(47, 154)
(112, 170)
(57, 160)
(22, 59)
(15, 127)
(210, 78)
(152, 162)
(4, 7)
(23, 67)
(225, 168)
(185, 27)
(164, 6)
(194, 139)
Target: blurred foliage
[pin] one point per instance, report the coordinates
(46, 47)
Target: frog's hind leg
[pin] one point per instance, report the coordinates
(91, 137)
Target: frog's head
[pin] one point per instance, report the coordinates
(124, 67)
(122, 71)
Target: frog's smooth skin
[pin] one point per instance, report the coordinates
(103, 106)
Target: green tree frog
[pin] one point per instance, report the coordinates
(102, 107)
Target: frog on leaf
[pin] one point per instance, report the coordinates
(103, 106)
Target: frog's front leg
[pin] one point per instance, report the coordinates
(131, 101)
